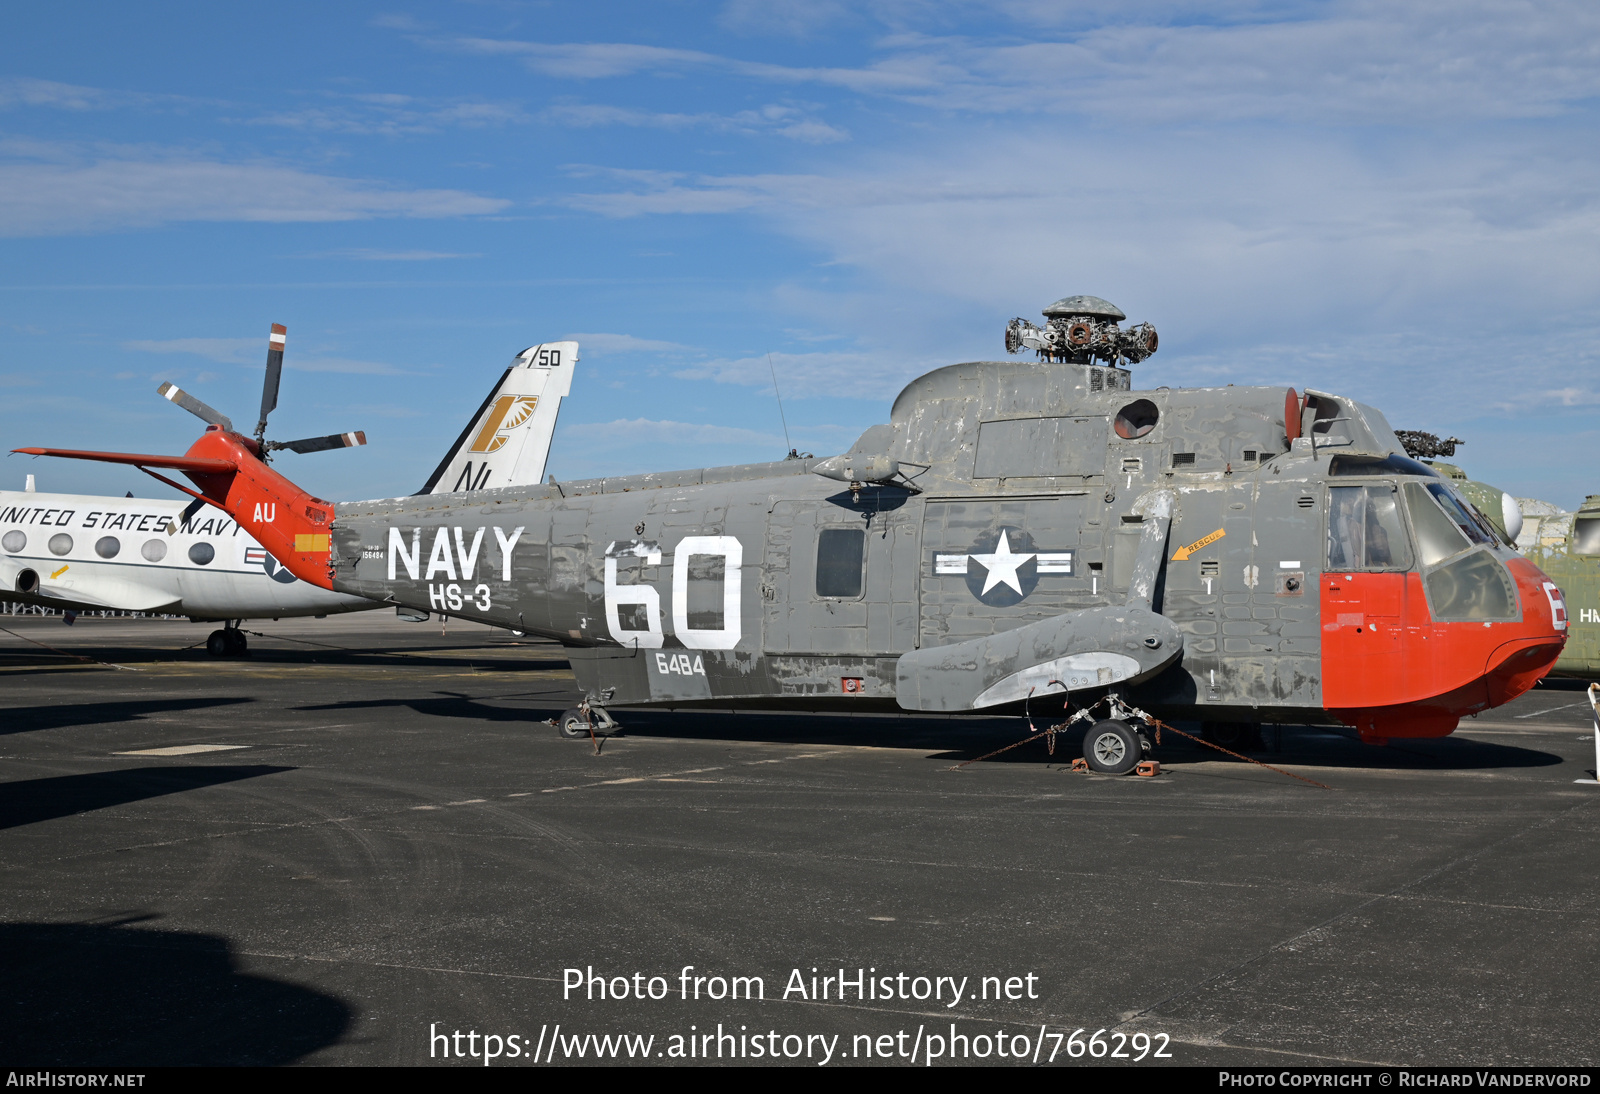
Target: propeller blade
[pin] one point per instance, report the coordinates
(323, 444)
(194, 406)
(269, 383)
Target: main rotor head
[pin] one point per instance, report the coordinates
(1080, 330)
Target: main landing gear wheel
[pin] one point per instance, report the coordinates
(228, 642)
(572, 725)
(1112, 748)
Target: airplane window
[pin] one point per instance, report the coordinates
(201, 554)
(14, 541)
(839, 559)
(1364, 529)
(154, 550)
(107, 546)
(1136, 419)
(1438, 537)
(1472, 587)
(1585, 536)
(60, 543)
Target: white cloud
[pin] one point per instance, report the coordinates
(1355, 61)
(785, 121)
(120, 193)
(838, 376)
(373, 254)
(599, 345)
(230, 351)
(253, 351)
(626, 432)
(390, 114)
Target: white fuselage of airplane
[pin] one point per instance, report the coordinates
(87, 552)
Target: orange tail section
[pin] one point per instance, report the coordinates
(228, 472)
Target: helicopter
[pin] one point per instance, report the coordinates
(1018, 530)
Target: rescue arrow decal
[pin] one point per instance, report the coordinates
(1183, 553)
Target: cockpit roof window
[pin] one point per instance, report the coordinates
(1392, 464)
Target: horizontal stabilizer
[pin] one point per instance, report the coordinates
(198, 464)
(1077, 651)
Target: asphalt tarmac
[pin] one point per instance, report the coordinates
(384, 842)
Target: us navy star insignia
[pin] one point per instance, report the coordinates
(1002, 563)
(1008, 566)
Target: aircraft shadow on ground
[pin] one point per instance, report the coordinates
(59, 716)
(80, 995)
(958, 740)
(491, 658)
(29, 801)
(450, 704)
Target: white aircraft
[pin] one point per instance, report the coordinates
(79, 552)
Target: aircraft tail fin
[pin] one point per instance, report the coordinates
(507, 442)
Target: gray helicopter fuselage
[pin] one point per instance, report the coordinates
(1023, 494)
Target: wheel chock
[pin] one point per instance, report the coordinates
(1148, 768)
(1080, 764)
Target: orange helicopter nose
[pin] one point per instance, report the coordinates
(1390, 669)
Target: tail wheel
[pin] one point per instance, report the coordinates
(572, 725)
(1112, 748)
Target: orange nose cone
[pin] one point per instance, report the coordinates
(1391, 670)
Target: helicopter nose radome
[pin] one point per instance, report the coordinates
(1391, 670)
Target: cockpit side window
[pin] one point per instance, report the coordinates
(1438, 536)
(1365, 531)
(1465, 516)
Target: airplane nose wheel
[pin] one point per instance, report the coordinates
(1112, 747)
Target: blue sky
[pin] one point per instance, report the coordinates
(1392, 201)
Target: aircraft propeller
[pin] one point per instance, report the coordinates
(269, 402)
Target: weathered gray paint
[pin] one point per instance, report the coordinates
(1111, 513)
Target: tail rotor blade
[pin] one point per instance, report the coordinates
(176, 394)
(323, 444)
(269, 383)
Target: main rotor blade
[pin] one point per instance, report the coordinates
(269, 383)
(194, 406)
(323, 444)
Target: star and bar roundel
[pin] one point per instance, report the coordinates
(1003, 566)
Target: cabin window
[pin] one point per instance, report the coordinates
(840, 554)
(1364, 529)
(14, 541)
(107, 546)
(201, 554)
(60, 543)
(1585, 536)
(154, 550)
